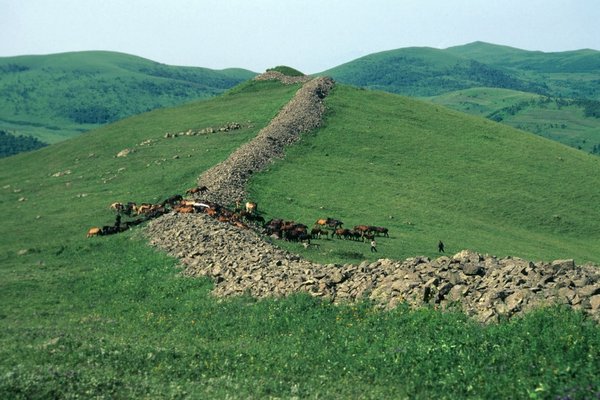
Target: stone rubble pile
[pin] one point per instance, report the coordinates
(285, 79)
(227, 180)
(483, 286)
(230, 126)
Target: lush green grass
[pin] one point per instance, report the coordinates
(423, 71)
(427, 174)
(585, 60)
(482, 101)
(109, 317)
(494, 81)
(93, 177)
(557, 119)
(58, 96)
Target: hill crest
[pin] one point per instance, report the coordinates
(58, 96)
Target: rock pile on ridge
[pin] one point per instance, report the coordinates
(227, 180)
(285, 79)
(483, 286)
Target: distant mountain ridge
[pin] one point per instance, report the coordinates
(424, 71)
(54, 97)
(584, 60)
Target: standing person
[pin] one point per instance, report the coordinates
(373, 246)
(441, 247)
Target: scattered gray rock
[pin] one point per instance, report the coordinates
(243, 261)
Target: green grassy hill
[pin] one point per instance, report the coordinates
(428, 173)
(424, 71)
(566, 121)
(583, 61)
(55, 97)
(110, 317)
(505, 84)
(571, 74)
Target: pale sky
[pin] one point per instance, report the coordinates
(309, 35)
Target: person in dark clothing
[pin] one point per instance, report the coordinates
(441, 247)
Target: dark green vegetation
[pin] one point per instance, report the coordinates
(11, 144)
(555, 95)
(289, 71)
(421, 71)
(108, 317)
(55, 97)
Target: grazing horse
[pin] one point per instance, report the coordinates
(362, 229)
(118, 207)
(330, 222)
(184, 209)
(340, 232)
(195, 190)
(251, 207)
(172, 201)
(316, 233)
(129, 208)
(95, 231)
(380, 230)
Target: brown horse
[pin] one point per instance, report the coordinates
(95, 231)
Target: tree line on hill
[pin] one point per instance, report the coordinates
(11, 144)
(591, 108)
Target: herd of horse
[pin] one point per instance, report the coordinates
(242, 215)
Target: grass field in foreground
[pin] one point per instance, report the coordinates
(110, 318)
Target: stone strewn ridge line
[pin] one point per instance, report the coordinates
(285, 79)
(483, 286)
(227, 181)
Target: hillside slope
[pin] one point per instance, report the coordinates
(428, 173)
(488, 72)
(570, 74)
(240, 261)
(425, 172)
(54, 97)
(111, 317)
(575, 123)
(423, 71)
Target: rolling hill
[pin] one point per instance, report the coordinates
(448, 76)
(112, 317)
(423, 71)
(55, 97)
(570, 122)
